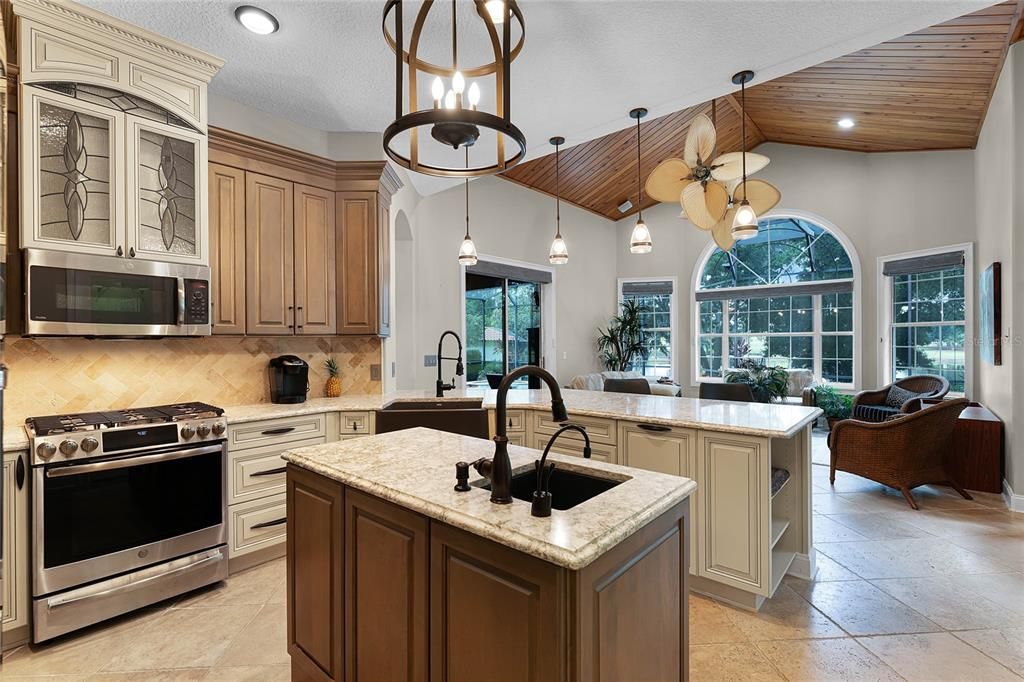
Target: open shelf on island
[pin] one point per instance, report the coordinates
(779, 527)
(781, 561)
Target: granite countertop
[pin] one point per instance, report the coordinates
(755, 419)
(415, 469)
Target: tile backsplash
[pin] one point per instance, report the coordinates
(55, 375)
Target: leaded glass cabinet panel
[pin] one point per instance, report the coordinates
(73, 193)
(166, 218)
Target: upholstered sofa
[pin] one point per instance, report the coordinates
(595, 382)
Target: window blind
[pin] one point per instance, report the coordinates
(809, 289)
(918, 264)
(651, 288)
(518, 273)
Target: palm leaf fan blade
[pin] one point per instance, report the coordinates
(666, 182)
(730, 166)
(763, 196)
(700, 140)
(704, 203)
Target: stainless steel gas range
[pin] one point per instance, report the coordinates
(128, 508)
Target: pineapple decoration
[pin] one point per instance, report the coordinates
(333, 389)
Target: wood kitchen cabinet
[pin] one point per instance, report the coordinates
(315, 271)
(270, 256)
(17, 600)
(316, 239)
(227, 248)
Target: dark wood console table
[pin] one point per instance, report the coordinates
(975, 457)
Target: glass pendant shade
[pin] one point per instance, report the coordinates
(467, 252)
(559, 252)
(744, 224)
(640, 241)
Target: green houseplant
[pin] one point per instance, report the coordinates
(836, 406)
(767, 383)
(624, 341)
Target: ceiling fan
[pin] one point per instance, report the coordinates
(709, 189)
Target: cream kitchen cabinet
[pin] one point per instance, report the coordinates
(669, 450)
(16, 598)
(734, 511)
(113, 136)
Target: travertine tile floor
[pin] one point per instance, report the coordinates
(900, 595)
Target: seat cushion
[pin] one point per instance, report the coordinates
(873, 413)
(897, 396)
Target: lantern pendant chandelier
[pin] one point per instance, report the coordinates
(744, 223)
(559, 252)
(467, 251)
(640, 240)
(454, 119)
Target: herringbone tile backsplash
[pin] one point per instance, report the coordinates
(54, 376)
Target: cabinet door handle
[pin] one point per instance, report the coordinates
(131, 252)
(19, 472)
(510, 422)
(270, 472)
(120, 251)
(268, 524)
(654, 427)
(278, 432)
(299, 324)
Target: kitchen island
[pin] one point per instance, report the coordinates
(393, 574)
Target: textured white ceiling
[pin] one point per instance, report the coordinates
(584, 64)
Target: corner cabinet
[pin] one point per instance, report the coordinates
(300, 243)
(113, 136)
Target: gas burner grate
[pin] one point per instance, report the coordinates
(89, 421)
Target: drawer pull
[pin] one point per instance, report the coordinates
(269, 472)
(268, 524)
(278, 432)
(654, 427)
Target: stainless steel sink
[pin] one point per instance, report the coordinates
(466, 417)
(568, 488)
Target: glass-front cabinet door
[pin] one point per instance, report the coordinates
(166, 216)
(71, 196)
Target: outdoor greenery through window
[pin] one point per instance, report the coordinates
(928, 325)
(656, 321)
(503, 320)
(784, 298)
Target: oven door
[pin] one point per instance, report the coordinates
(84, 295)
(93, 520)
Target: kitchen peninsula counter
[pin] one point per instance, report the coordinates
(394, 573)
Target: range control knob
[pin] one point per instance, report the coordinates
(68, 447)
(89, 444)
(187, 432)
(46, 450)
(219, 428)
(203, 430)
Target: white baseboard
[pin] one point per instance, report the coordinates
(1013, 502)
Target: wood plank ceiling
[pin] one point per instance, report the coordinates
(926, 90)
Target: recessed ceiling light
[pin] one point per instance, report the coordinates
(256, 20)
(846, 123)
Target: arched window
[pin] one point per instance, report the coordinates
(785, 298)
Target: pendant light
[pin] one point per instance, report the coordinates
(640, 240)
(467, 252)
(455, 117)
(744, 224)
(559, 252)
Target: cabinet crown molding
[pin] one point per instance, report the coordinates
(77, 19)
(254, 154)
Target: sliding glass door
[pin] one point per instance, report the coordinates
(503, 326)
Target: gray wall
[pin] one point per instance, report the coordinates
(884, 203)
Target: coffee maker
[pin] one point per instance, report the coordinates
(289, 379)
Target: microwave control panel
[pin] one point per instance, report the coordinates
(197, 301)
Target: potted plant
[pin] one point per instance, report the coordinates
(836, 406)
(767, 383)
(624, 341)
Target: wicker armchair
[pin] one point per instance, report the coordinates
(901, 453)
(870, 406)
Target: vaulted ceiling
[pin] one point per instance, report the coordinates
(926, 90)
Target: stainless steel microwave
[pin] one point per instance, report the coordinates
(71, 294)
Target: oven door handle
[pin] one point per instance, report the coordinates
(181, 301)
(56, 602)
(126, 462)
